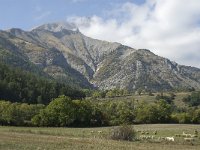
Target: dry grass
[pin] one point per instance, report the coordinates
(20, 138)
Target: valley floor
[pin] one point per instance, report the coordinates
(32, 138)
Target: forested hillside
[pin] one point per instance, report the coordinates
(17, 85)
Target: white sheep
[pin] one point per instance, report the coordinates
(193, 136)
(144, 132)
(188, 139)
(99, 132)
(186, 135)
(170, 139)
(144, 137)
(91, 131)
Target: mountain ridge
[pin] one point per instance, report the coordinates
(64, 53)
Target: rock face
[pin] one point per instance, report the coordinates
(67, 55)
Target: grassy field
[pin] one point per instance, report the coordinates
(29, 138)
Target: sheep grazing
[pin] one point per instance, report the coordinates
(144, 132)
(99, 132)
(91, 131)
(152, 137)
(170, 139)
(186, 135)
(194, 136)
(144, 137)
(188, 139)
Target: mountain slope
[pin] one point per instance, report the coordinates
(62, 52)
(30, 55)
(143, 69)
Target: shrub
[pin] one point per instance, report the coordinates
(193, 99)
(125, 132)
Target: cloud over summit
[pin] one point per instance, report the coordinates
(170, 28)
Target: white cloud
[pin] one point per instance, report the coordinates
(170, 28)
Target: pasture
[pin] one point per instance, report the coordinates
(33, 138)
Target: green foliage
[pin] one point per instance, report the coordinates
(158, 112)
(125, 132)
(66, 112)
(63, 111)
(169, 99)
(193, 99)
(118, 112)
(99, 94)
(109, 93)
(191, 115)
(182, 117)
(20, 86)
(16, 113)
(196, 116)
(87, 92)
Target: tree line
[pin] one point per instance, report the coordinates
(17, 85)
(65, 112)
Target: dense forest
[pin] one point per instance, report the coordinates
(17, 85)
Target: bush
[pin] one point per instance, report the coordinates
(159, 112)
(182, 117)
(193, 99)
(125, 132)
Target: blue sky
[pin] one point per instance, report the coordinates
(29, 13)
(169, 28)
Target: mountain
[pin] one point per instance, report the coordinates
(62, 52)
(25, 50)
(57, 27)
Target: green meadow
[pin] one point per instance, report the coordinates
(32, 138)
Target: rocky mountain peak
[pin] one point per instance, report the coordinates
(58, 27)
